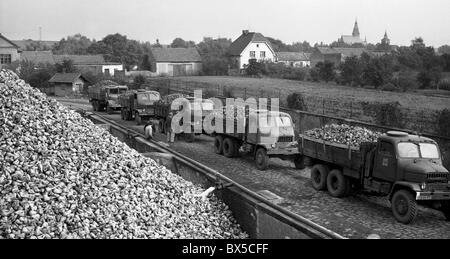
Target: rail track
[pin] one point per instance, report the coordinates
(296, 226)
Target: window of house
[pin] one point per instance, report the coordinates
(5, 58)
(263, 54)
(257, 45)
(252, 54)
(107, 71)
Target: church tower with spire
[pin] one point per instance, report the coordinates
(385, 41)
(355, 29)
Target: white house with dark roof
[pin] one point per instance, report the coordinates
(9, 51)
(250, 45)
(294, 59)
(175, 61)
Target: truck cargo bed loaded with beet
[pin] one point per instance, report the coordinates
(407, 169)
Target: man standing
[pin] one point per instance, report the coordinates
(169, 130)
(148, 129)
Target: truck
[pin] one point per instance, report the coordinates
(138, 105)
(406, 169)
(164, 107)
(105, 97)
(277, 141)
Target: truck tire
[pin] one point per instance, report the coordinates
(404, 206)
(261, 159)
(122, 114)
(337, 183)
(228, 147)
(93, 105)
(218, 144)
(237, 145)
(138, 118)
(109, 110)
(299, 162)
(319, 174)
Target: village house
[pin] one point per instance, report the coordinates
(250, 46)
(294, 59)
(175, 61)
(9, 51)
(67, 84)
(95, 64)
(334, 55)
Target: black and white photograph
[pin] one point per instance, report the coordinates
(223, 125)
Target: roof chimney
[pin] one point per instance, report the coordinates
(245, 32)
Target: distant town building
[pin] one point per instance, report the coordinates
(250, 45)
(334, 55)
(355, 38)
(9, 51)
(385, 40)
(294, 59)
(95, 64)
(175, 61)
(67, 84)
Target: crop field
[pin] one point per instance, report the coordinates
(331, 91)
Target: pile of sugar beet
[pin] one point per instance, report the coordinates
(63, 177)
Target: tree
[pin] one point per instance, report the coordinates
(417, 43)
(180, 43)
(214, 55)
(378, 71)
(326, 71)
(429, 78)
(66, 66)
(445, 49)
(351, 70)
(255, 68)
(145, 65)
(445, 61)
(73, 45)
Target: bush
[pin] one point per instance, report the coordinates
(386, 114)
(444, 123)
(228, 92)
(295, 101)
(444, 85)
(314, 75)
(407, 83)
(209, 93)
(138, 81)
(255, 68)
(391, 87)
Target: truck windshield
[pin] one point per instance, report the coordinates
(113, 91)
(417, 150)
(147, 98)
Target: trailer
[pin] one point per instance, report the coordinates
(105, 97)
(278, 143)
(406, 169)
(138, 105)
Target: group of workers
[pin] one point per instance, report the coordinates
(149, 128)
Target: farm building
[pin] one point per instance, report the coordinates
(9, 51)
(294, 59)
(334, 55)
(66, 84)
(91, 63)
(250, 45)
(175, 61)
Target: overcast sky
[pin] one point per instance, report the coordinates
(288, 20)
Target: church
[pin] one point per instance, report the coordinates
(354, 38)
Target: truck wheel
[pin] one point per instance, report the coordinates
(109, 110)
(218, 144)
(137, 118)
(299, 162)
(122, 114)
(93, 106)
(261, 159)
(337, 183)
(129, 116)
(228, 147)
(237, 145)
(404, 206)
(319, 175)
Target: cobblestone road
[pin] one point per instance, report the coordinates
(356, 216)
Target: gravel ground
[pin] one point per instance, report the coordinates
(357, 216)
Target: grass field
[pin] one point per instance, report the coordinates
(328, 91)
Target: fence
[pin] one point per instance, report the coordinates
(320, 110)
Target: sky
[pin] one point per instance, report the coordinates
(287, 20)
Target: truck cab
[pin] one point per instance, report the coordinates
(112, 97)
(410, 169)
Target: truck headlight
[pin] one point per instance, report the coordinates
(423, 186)
(274, 145)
